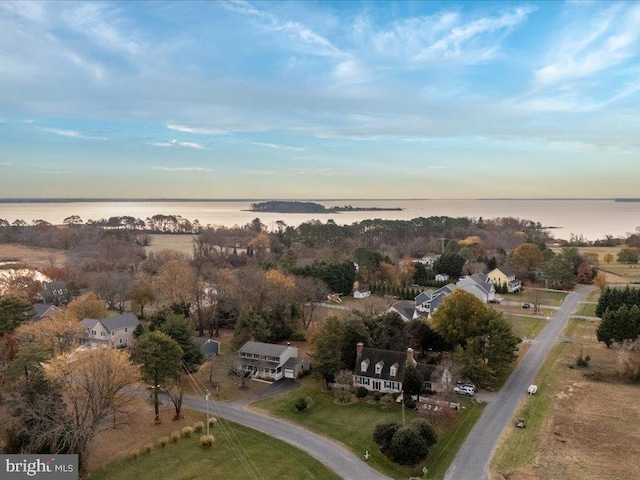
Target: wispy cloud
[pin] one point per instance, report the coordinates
(297, 36)
(71, 134)
(198, 130)
(177, 143)
(279, 147)
(607, 40)
(183, 169)
(447, 36)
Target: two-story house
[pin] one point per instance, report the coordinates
(113, 331)
(271, 362)
(428, 302)
(478, 285)
(504, 276)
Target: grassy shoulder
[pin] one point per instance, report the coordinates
(586, 310)
(353, 424)
(238, 452)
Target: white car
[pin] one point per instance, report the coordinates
(464, 390)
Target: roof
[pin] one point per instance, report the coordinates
(479, 280)
(128, 319)
(293, 362)
(57, 285)
(387, 357)
(405, 309)
(266, 349)
(118, 322)
(42, 310)
(506, 270)
(211, 347)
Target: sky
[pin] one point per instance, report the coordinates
(319, 100)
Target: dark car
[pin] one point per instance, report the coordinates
(526, 305)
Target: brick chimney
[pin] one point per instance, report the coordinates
(410, 359)
(359, 347)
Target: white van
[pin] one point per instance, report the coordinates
(464, 390)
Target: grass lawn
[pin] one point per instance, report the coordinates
(526, 327)
(586, 310)
(353, 424)
(239, 454)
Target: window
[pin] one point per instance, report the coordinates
(93, 332)
(392, 371)
(102, 334)
(379, 366)
(113, 333)
(125, 329)
(120, 341)
(364, 365)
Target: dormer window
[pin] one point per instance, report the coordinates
(364, 365)
(393, 370)
(379, 366)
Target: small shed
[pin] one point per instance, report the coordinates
(361, 293)
(211, 348)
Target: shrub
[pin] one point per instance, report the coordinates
(164, 441)
(362, 392)
(301, 404)
(383, 433)
(297, 336)
(207, 440)
(175, 436)
(198, 426)
(425, 430)
(135, 454)
(212, 421)
(148, 447)
(407, 446)
(409, 402)
(187, 431)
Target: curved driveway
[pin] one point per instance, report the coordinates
(342, 461)
(472, 460)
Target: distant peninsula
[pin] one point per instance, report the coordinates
(280, 206)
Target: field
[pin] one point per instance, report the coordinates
(526, 327)
(165, 241)
(576, 427)
(617, 273)
(35, 257)
(238, 452)
(353, 424)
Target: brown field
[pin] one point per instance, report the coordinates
(35, 257)
(588, 430)
(166, 241)
(617, 273)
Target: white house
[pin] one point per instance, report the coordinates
(271, 362)
(478, 285)
(113, 331)
(361, 293)
(428, 302)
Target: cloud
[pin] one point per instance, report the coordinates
(183, 169)
(5, 164)
(298, 36)
(279, 147)
(71, 134)
(605, 41)
(174, 143)
(446, 36)
(198, 130)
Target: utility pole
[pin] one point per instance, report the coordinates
(442, 239)
(207, 398)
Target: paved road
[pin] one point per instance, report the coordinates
(339, 459)
(472, 460)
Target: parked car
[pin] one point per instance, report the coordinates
(526, 305)
(464, 390)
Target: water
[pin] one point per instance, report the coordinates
(593, 219)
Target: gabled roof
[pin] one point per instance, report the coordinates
(266, 349)
(375, 356)
(506, 271)
(42, 310)
(405, 309)
(211, 347)
(57, 285)
(111, 324)
(479, 280)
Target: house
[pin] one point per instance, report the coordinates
(428, 301)
(113, 331)
(504, 276)
(271, 362)
(43, 310)
(54, 292)
(427, 260)
(380, 370)
(406, 309)
(361, 293)
(478, 285)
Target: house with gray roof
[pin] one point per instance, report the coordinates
(112, 331)
(380, 370)
(479, 285)
(505, 276)
(268, 361)
(428, 301)
(43, 310)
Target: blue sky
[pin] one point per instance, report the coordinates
(319, 99)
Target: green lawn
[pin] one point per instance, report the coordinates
(526, 327)
(242, 453)
(586, 310)
(353, 424)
